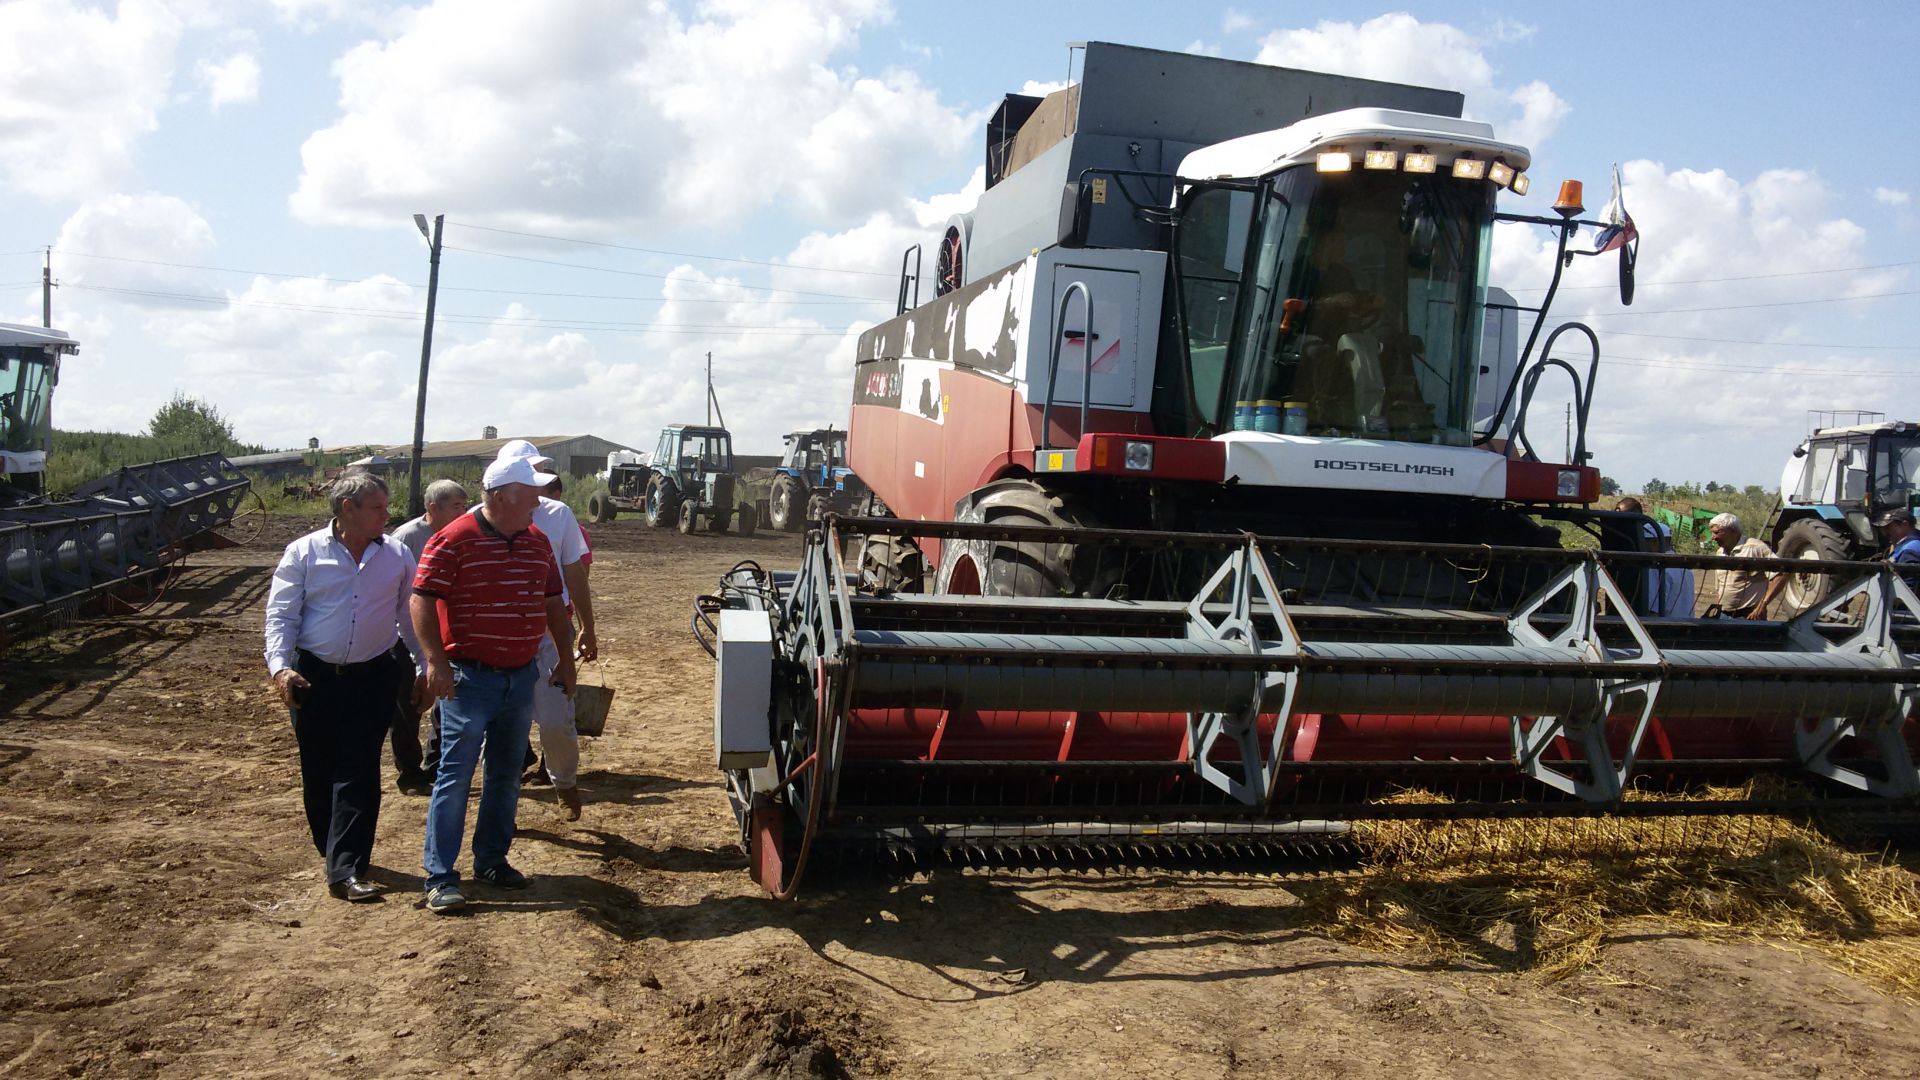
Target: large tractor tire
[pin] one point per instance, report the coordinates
(600, 508)
(1810, 538)
(891, 564)
(1024, 568)
(746, 520)
(818, 507)
(663, 501)
(719, 520)
(783, 506)
(689, 519)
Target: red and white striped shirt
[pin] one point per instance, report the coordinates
(492, 590)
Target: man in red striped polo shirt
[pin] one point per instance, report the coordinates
(486, 593)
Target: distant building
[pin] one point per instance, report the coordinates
(573, 455)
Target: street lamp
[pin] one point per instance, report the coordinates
(416, 505)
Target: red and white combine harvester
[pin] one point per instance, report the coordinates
(1215, 520)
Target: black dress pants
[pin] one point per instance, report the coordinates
(408, 757)
(340, 723)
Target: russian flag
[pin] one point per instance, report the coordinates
(1618, 229)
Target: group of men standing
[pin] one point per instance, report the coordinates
(472, 611)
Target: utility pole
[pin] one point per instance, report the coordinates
(709, 389)
(46, 291)
(416, 505)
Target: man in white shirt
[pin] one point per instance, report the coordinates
(338, 602)
(445, 501)
(552, 709)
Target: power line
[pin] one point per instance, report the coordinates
(1681, 363)
(1744, 277)
(659, 277)
(1750, 307)
(674, 254)
(475, 318)
(452, 288)
(1743, 341)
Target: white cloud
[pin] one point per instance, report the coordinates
(607, 113)
(1401, 48)
(1203, 48)
(1891, 196)
(233, 81)
(1236, 21)
(124, 242)
(1681, 395)
(78, 87)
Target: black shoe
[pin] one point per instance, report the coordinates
(354, 891)
(503, 877)
(414, 783)
(535, 777)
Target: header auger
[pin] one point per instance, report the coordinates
(1304, 685)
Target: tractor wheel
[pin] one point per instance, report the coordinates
(891, 564)
(747, 519)
(600, 508)
(689, 519)
(719, 520)
(785, 503)
(663, 501)
(1024, 568)
(818, 507)
(1810, 538)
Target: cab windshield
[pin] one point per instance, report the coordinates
(1336, 304)
(1896, 470)
(25, 376)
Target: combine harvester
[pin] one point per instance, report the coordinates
(1219, 529)
(114, 536)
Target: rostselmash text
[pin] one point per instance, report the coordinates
(1339, 465)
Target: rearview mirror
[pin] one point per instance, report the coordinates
(1627, 260)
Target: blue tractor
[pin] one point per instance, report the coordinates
(812, 480)
(1836, 483)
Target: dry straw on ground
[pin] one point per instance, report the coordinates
(1545, 895)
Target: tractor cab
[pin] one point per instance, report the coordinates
(690, 452)
(29, 370)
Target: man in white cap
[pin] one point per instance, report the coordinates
(485, 596)
(552, 711)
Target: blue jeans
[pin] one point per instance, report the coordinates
(490, 708)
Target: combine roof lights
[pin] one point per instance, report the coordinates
(1333, 161)
(1381, 159)
(1469, 168)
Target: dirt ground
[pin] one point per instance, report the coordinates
(163, 913)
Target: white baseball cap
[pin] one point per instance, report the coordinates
(517, 470)
(521, 448)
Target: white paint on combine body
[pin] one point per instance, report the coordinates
(742, 690)
(922, 388)
(1264, 152)
(1266, 459)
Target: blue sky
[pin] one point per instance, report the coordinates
(223, 142)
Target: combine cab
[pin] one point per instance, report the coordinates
(1220, 529)
(114, 536)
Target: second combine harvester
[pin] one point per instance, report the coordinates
(1217, 519)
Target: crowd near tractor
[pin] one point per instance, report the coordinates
(688, 482)
(812, 480)
(1219, 522)
(1837, 483)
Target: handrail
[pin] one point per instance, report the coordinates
(1582, 392)
(900, 307)
(1053, 364)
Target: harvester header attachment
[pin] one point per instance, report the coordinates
(1247, 692)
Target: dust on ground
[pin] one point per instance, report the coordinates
(165, 915)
